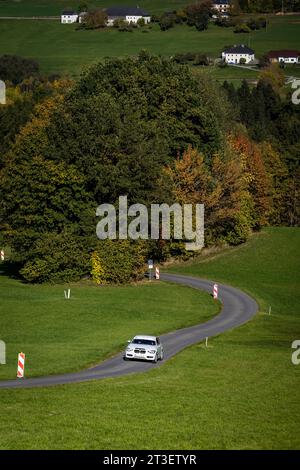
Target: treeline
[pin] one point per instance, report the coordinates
(268, 6)
(147, 128)
(272, 124)
(26, 87)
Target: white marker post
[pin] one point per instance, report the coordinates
(2, 255)
(150, 267)
(67, 294)
(157, 272)
(270, 309)
(215, 291)
(206, 341)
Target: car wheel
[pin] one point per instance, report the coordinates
(161, 356)
(155, 359)
(125, 358)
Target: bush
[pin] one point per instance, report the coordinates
(123, 26)
(241, 28)
(56, 258)
(255, 24)
(141, 22)
(184, 58)
(201, 59)
(167, 21)
(118, 261)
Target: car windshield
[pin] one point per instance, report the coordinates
(148, 342)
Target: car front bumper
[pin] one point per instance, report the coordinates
(146, 357)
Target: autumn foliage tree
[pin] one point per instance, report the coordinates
(258, 181)
(220, 186)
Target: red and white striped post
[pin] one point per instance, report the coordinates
(215, 291)
(157, 272)
(2, 255)
(21, 365)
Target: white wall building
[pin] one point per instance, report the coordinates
(285, 55)
(221, 6)
(129, 14)
(233, 55)
(69, 16)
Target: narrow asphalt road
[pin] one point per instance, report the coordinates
(237, 308)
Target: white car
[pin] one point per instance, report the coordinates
(148, 348)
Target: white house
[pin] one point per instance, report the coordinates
(221, 6)
(69, 16)
(234, 54)
(287, 56)
(129, 14)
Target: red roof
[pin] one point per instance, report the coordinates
(283, 53)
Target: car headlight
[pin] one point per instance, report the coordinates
(152, 351)
(129, 349)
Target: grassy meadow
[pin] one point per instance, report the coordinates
(60, 48)
(241, 392)
(61, 335)
(54, 7)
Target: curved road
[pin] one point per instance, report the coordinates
(237, 309)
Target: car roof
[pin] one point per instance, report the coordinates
(153, 338)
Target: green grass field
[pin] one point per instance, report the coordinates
(54, 7)
(242, 392)
(59, 335)
(60, 48)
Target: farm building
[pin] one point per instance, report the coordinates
(238, 54)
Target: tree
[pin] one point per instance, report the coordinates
(198, 14)
(277, 172)
(15, 69)
(110, 135)
(141, 22)
(258, 182)
(220, 186)
(94, 19)
(167, 21)
(235, 8)
(274, 76)
(245, 98)
(82, 7)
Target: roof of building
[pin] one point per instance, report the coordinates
(126, 11)
(240, 49)
(69, 12)
(283, 53)
(221, 2)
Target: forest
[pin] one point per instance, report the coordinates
(149, 128)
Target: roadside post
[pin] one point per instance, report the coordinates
(2, 255)
(67, 294)
(215, 291)
(21, 365)
(150, 267)
(157, 273)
